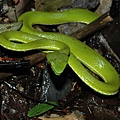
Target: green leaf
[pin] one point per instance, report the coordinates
(40, 109)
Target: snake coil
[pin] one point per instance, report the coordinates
(80, 54)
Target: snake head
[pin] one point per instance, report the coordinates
(58, 61)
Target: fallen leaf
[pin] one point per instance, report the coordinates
(75, 115)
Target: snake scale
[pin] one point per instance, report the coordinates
(62, 49)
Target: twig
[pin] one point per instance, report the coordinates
(34, 59)
(94, 26)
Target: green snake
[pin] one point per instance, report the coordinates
(63, 49)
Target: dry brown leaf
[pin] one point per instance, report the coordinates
(76, 115)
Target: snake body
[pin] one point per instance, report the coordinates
(75, 52)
